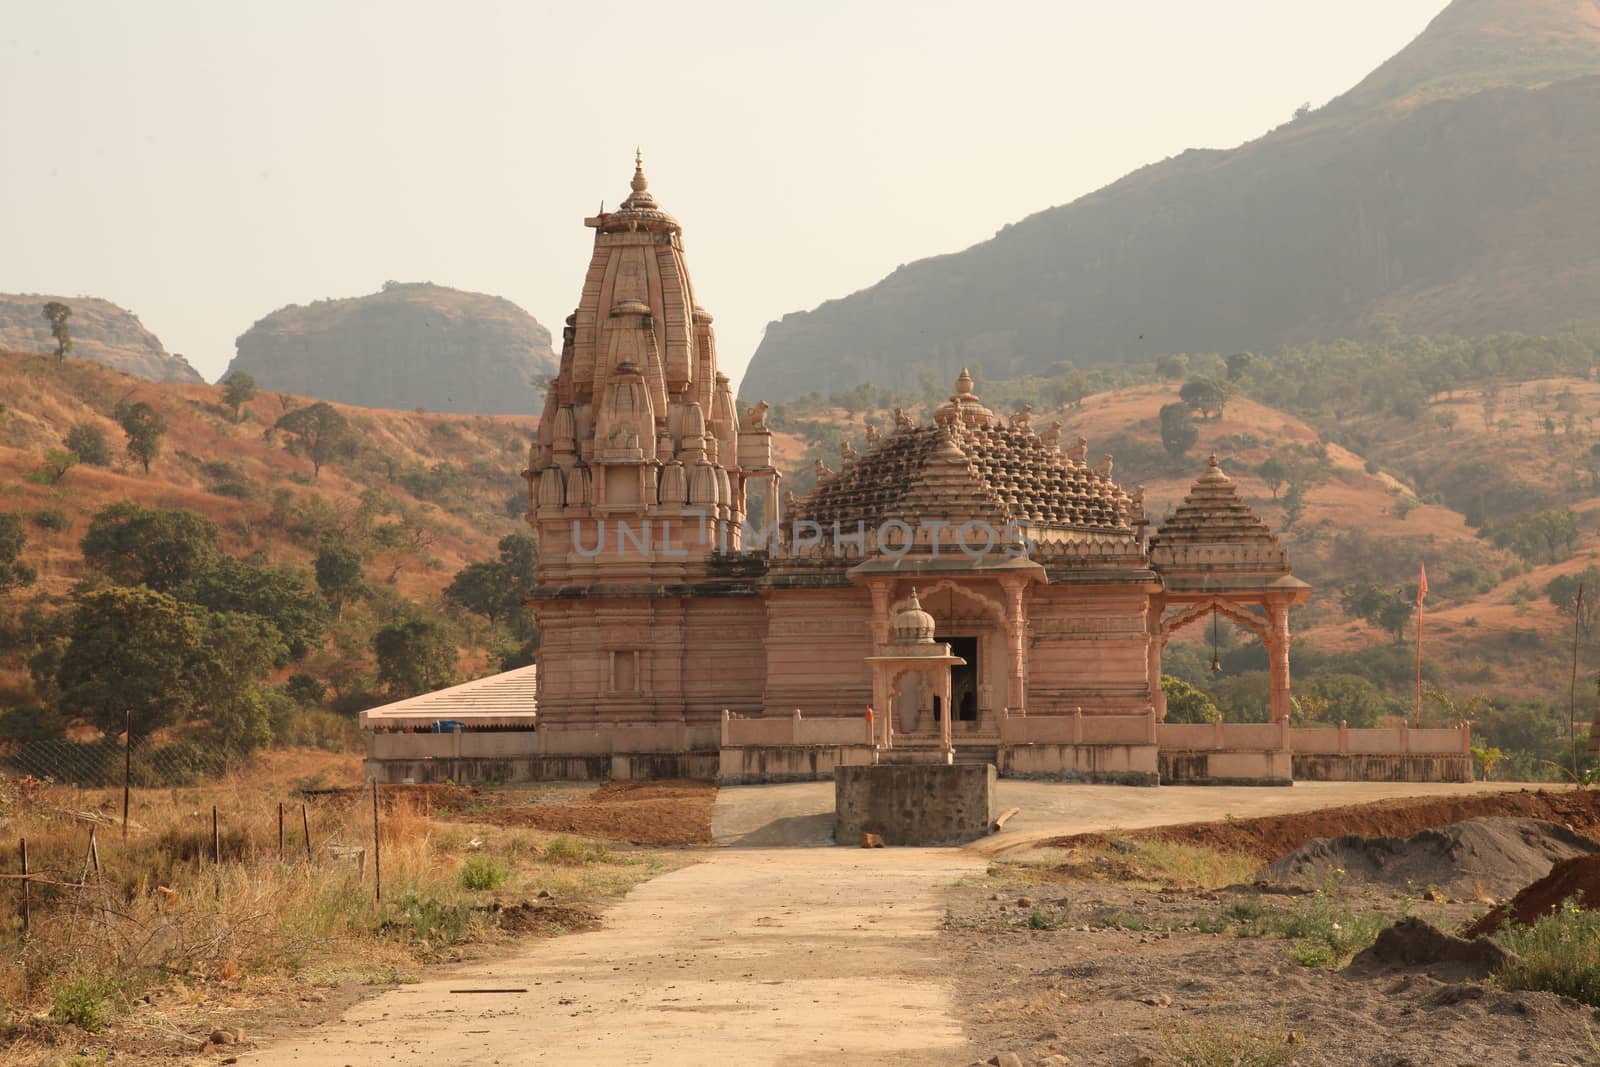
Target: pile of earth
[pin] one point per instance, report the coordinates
(1574, 879)
(1270, 836)
(1484, 858)
(1413, 945)
(656, 813)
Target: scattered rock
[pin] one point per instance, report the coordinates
(1156, 1000)
(1024, 902)
(871, 841)
(1412, 944)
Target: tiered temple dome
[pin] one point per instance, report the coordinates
(972, 465)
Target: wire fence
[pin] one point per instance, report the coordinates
(104, 762)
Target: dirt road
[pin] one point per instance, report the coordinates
(754, 957)
(759, 955)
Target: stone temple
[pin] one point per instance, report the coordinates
(963, 588)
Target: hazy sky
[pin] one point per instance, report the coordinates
(205, 163)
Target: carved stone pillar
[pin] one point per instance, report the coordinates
(945, 740)
(880, 591)
(1155, 645)
(1016, 631)
(1278, 657)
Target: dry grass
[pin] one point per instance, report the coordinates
(1146, 862)
(165, 920)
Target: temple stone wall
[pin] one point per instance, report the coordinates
(815, 642)
(1087, 648)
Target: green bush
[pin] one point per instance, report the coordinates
(483, 872)
(427, 919)
(1559, 954)
(84, 1000)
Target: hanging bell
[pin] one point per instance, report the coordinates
(1216, 664)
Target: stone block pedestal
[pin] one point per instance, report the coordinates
(914, 804)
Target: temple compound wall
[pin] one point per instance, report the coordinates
(962, 588)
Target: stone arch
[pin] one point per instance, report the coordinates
(1253, 621)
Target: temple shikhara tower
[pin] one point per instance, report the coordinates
(967, 587)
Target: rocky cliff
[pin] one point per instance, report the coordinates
(101, 331)
(407, 346)
(1451, 191)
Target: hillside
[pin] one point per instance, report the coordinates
(1451, 191)
(408, 346)
(101, 331)
(423, 496)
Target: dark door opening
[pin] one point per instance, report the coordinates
(964, 679)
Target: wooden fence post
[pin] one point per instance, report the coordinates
(127, 768)
(216, 838)
(280, 831)
(377, 870)
(305, 827)
(22, 847)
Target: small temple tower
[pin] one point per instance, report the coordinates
(637, 486)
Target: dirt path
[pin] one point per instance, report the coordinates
(759, 955)
(750, 958)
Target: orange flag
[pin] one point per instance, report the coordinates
(1422, 583)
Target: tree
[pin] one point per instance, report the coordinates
(236, 651)
(1172, 366)
(1239, 365)
(131, 650)
(1178, 433)
(1274, 472)
(57, 314)
(414, 657)
(318, 432)
(89, 442)
(496, 589)
(1185, 703)
(145, 427)
(163, 548)
(1387, 609)
(13, 573)
(57, 462)
(1563, 593)
(1551, 532)
(1206, 395)
(238, 389)
(278, 597)
(339, 575)
(1294, 505)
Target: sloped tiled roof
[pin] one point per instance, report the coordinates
(508, 699)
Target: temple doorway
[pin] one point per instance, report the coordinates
(964, 679)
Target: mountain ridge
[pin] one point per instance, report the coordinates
(1388, 209)
(409, 345)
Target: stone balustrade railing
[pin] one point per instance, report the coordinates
(1382, 741)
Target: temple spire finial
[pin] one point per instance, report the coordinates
(639, 183)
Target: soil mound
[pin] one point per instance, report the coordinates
(1413, 945)
(1271, 836)
(1491, 857)
(1578, 877)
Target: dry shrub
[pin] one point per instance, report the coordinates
(1230, 1044)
